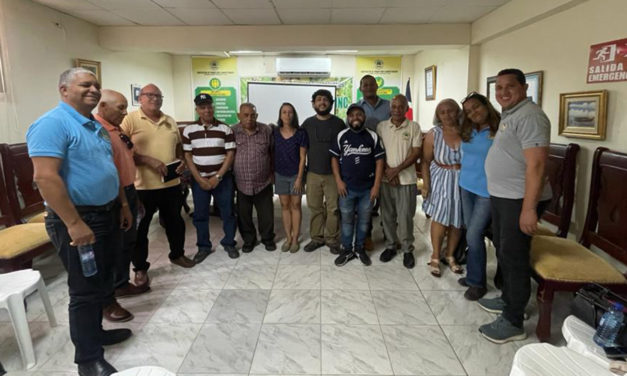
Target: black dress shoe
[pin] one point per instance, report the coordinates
(98, 367)
(113, 336)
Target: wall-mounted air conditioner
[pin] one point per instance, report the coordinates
(303, 66)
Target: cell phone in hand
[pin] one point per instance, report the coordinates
(615, 352)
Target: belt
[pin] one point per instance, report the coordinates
(455, 166)
(96, 208)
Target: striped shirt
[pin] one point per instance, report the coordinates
(208, 146)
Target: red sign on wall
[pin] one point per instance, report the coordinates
(608, 62)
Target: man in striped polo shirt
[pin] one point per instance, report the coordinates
(209, 149)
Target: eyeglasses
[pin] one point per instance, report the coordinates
(127, 141)
(153, 96)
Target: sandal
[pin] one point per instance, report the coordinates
(453, 265)
(286, 245)
(434, 267)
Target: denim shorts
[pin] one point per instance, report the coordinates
(284, 185)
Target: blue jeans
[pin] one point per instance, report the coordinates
(355, 202)
(223, 198)
(476, 213)
(87, 294)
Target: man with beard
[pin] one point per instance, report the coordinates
(402, 141)
(322, 129)
(357, 163)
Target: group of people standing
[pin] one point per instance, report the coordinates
(101, 174)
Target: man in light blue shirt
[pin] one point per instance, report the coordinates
(74, 170)
(377, 109)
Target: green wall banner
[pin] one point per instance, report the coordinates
(217, 77)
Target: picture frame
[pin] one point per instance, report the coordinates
(135, 90)
(583, 114)
(90, 65)
(430, 82)
(535, 81)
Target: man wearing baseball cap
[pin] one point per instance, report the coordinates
(357, 164)
(209, 148)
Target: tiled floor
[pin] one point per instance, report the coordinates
(274, 313)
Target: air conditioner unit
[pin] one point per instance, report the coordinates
(303, 66)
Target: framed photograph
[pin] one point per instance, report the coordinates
(430, 82)
(91, 65)
(135, 89)
(583, 114)
(534, 91)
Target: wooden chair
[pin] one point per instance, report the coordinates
(560, 264)
(25, 201)
(561, 170)
(19, 243)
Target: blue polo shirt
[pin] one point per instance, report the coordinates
(376, 114)
(83, 145)
(358, 153)
(472, 176)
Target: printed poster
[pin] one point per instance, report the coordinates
(385, 69)
(217, 77)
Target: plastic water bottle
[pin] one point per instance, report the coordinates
(88, 260)
(609, 327)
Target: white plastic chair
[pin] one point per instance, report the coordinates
(578, 336)
(14, 287)
(543, 359)
(144, 371)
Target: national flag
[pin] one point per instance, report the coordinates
(410, 112)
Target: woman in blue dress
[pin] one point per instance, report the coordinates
(441, 163)
(480, 124)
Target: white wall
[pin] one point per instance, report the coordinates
(559, 46)
(451, 80)
(41, 43)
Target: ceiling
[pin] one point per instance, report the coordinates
(272, 12)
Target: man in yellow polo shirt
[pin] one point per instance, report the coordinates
(157, 142)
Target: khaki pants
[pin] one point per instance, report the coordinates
(322, 203)
(398, 206)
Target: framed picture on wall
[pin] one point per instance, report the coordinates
(90, 65)
(534, 89)
(583, 114)
(135, 89)
(430, 82)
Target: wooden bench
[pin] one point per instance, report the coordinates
(25, 201)
(560, 264)
(561, 169)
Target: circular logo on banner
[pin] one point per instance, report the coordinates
(378, 64)
(380, 81)
(214, 65)
(214, 83)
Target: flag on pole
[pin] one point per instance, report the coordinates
(410, 112)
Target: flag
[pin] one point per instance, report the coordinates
(410, 112)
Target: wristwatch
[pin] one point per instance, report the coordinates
(218, 176)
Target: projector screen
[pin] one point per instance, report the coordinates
(268, 97)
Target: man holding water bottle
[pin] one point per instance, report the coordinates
(75, 173)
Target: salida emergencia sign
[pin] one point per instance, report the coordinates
(608, 61)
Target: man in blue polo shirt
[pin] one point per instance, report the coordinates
(75, 173)
(377, 110)
(357, 164)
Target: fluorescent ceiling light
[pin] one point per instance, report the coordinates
(245, 52)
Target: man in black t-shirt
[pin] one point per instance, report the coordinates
(321, 190)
